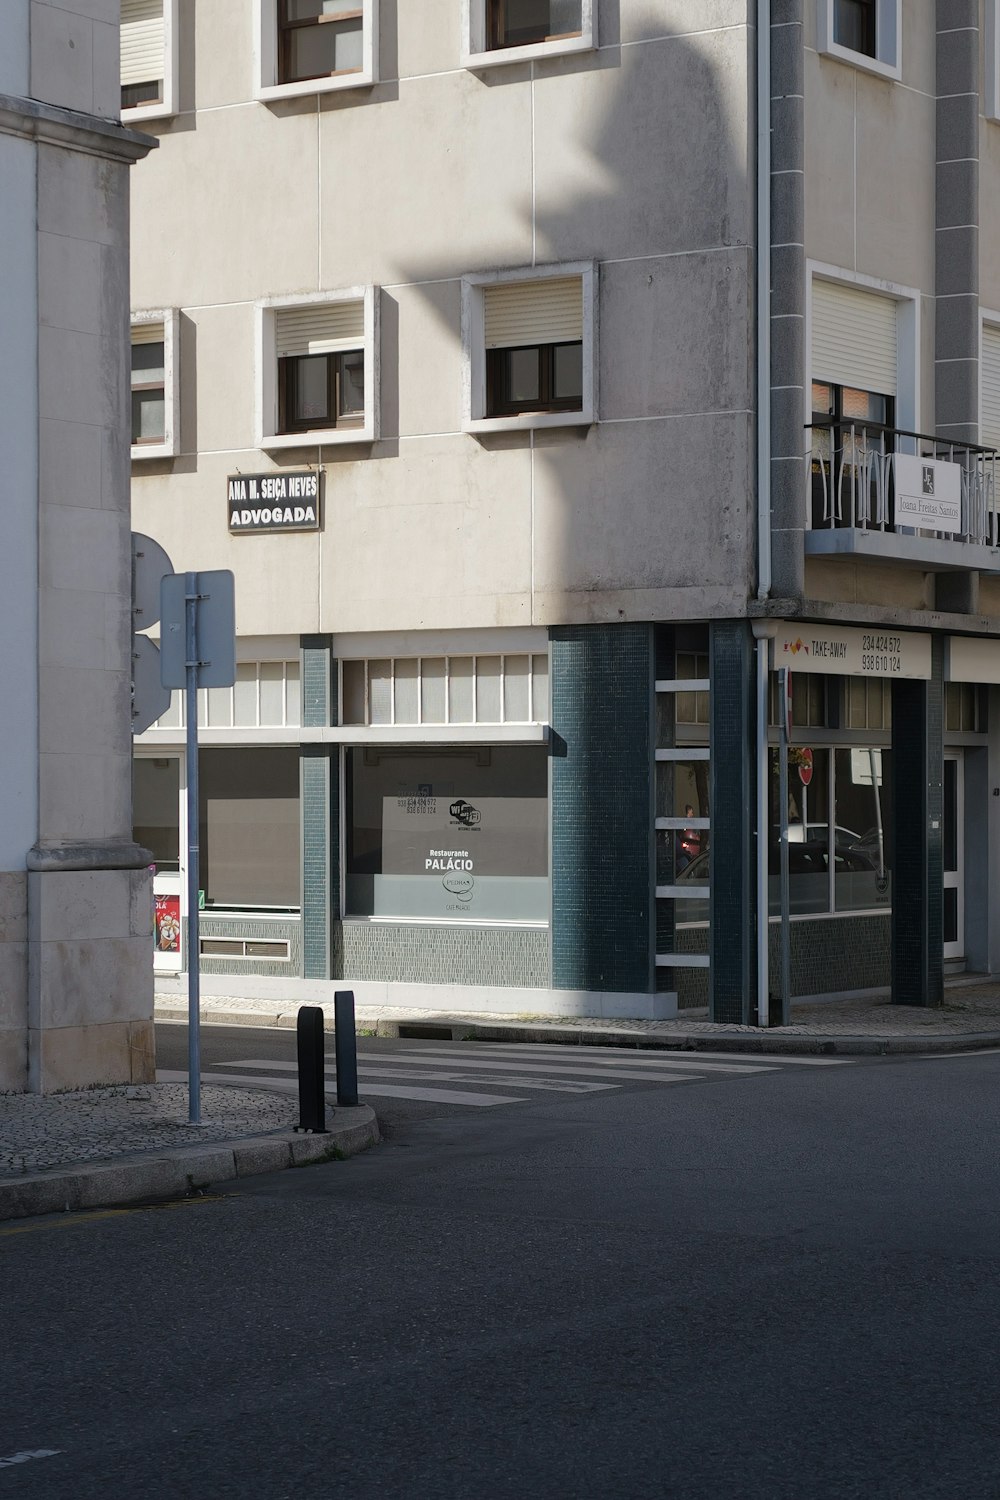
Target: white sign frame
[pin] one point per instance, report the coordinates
(928, 493)
(850, 651)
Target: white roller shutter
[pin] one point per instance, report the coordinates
(533, 312)
(142, 41)
(147, 333)
(989, 434)
(853, 338)
(319, 328)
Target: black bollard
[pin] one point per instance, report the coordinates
(346, 1047)
(312, 1091)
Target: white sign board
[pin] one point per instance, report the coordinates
(972, 659)
(850, 652)
(928, 493)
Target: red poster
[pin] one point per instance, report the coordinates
(168, 923)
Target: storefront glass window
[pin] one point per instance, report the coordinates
(156, 805)
(249, 827)
(456, 835)
(839, 834)
(864, 827)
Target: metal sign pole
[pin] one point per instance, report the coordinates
(786, 951)
(193, 852)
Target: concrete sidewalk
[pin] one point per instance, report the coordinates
(96, 1148)
(853, 1026)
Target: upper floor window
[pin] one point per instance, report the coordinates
(854, 25)
(530, 348)
(514, 23)
(503, 31)
(318, 360)
(866, 33)
(153, 382)
(319, 38)
(148, 46)
(310, 46)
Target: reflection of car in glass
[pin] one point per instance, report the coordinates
(853, 854)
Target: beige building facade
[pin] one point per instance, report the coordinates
(550, 373)
(75, 899)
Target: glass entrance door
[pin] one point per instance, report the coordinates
(953, 855)
(157, 819)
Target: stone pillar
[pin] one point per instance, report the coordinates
(789, 358)
(320, 804)
(956, 241)
(75, 893)
(918, 808)
(602, 810)
(732, 902)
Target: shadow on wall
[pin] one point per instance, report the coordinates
(635, 156)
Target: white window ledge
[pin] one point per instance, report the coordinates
(531, 52)
(142, 112)
(528, 421)
(331, 84)
(324, 437)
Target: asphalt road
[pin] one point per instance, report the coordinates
(766, 1285)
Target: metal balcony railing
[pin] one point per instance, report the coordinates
(853, 479)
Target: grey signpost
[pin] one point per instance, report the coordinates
(785, 688)
(197, 649)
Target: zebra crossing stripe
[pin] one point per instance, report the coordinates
(290, 1086)
(654, 1064)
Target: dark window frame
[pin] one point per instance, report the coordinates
(143, 386)
(287, 391)
(286, 27)
(499, 402)
(498, 34)
(147, 99)
(858, 20)
(836, 424)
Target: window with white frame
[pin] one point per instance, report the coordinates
(148, 45)
(509, 688)
(265, 695)
(312, 46)
(864, 369)
(505, 31)
(989, 419)
(530, 352)
(154, 384)
(318, 370)
(867, 33)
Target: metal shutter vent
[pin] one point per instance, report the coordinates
(533, 312)
(853, 338)
(147, 333)
(142, 41)
(318, 328)
(989, 434)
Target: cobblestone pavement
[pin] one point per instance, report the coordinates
(970, 1007)
(39, 1133)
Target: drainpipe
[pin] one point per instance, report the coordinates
(763, 630)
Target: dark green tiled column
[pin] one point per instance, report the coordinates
(917, 860)
(320, 803)
(602, 815)
(732, 901)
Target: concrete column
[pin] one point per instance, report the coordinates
(732, 902)
(602, 808)
(74, 888)
(918, 808)
(788, 293)
(956, 228)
